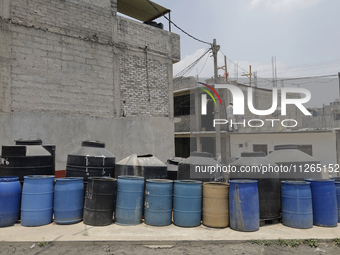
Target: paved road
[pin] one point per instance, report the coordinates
(107, 248)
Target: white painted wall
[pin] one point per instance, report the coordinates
(323, 144)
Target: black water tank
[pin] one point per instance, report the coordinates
(301, 165)
(90, 160)
(154, 24)
(172, 165)
(27, 157)
(49, 147)
(201, 166)
(142, 165)
(250, 166)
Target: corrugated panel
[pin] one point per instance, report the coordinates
(140, 9)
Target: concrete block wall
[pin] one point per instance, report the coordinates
(80, 18)
(79, 60)
(144, 85)
(186, 122)
(184, 83)
(79, 57)
(54, 73)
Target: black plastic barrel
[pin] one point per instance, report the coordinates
(172, 165)
(28, 157)
(255, 166)
(90, 160)
(201, 166)
(99, 201)
(147, 166)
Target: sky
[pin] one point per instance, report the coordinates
(303, 35)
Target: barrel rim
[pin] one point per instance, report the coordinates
(9, 178)
(319, 180)
(296, 182)
(160, 180)
(188, 181)
(39, 176)
(243, 181)
(216, 184)
(66, 179)
(101, 178)
(131, 177)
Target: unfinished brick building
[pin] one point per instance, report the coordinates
(72, 70)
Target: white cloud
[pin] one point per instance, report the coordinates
(279, 5)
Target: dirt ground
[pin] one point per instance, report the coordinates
(107, 248)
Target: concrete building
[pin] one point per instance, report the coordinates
(76, 70)
(194, 131)
(326, 117)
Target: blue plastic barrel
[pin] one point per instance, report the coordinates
(337, 188)
(324, 202)
(37, 200)
(244, 205)
(10, 196)
(187, 203)
(129, 204)
(68, 200)
(158, 202)
(297, 209)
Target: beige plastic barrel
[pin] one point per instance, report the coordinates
(216, 204)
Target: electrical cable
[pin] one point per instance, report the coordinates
(181, 74)
(178, 26)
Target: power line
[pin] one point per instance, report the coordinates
(286, 79)
(242, 68)
(306, 66)
(178, 26)
(204, 64)
(191, 66)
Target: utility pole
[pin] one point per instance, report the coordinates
(215, 49)
(339, 83)
(224, 68)
(248, 75)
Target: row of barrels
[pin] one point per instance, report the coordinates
(184, 202)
